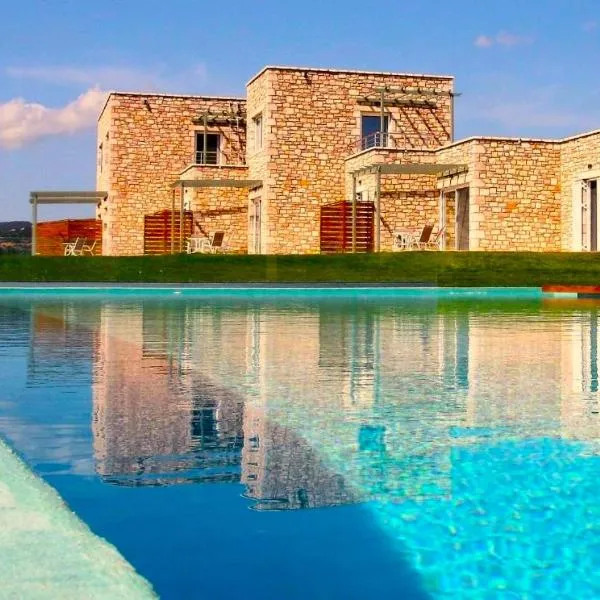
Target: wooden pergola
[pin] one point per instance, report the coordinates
(379, 169)
(183, 184)
(54, 197)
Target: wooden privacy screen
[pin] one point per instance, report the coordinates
(51, 235)
(336, 227)
(157, 231)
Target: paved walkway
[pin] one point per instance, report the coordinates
(47, 552)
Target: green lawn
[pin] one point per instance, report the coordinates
(440, 268)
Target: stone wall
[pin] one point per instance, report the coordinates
(312, 126)
(219, 208)
(103, 171)
(151, 140)
(259, 94)
(514, 192)
(580, 156)
(518, 200)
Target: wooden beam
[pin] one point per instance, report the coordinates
(367, 101)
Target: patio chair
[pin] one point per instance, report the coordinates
(89, 248)
(78, 246)
(403, 240)
(212, 244)
(216, 242)
(424, 239)
(70, 247)
(435, 243)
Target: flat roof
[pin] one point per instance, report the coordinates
(348, 71)
(165, 95)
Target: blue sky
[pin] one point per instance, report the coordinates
(526, 68)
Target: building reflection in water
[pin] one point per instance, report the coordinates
(313, 405)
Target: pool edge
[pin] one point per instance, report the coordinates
(67, 559)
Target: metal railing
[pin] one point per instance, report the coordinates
(380, 139)
(210, 158)
(219, 157)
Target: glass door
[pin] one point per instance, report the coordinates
(255, 226)
(589, 216)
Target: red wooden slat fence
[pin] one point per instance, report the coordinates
(336, 227)
(157, 231)
(51, 235)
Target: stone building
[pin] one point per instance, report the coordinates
(305, 143)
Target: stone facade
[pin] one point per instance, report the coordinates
(514, 201)
(147, 142)
(312, 125)
(580, 160)
(303, 132)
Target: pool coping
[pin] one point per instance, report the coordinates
(50, 552)
(421, 289)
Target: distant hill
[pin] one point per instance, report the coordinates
(15, 237)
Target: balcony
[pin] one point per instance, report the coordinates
(381, 139)
(208, 158)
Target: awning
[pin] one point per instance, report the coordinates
(440, 169)
(217, 183)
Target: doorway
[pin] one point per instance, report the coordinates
(462, 219)
(255, 226)
(585, 216)
(454, 219)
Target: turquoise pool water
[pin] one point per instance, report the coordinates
(318, 445)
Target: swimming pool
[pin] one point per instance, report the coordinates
(318, 445)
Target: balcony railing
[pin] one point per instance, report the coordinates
(380, 139)
(208, 158)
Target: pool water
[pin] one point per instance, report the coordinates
(331, 447)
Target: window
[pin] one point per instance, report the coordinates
(258, 132)
(100, 158)
(371, 134)
(213, 147)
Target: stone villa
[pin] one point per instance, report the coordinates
(324, 160)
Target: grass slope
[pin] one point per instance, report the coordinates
(440, 268)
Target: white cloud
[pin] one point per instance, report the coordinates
(504, 38)
(484, 41)
(113, 77)
(23, 122)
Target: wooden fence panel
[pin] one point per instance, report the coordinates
(51, 235)
(157, 231)
(336, 227)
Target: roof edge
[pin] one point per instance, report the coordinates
(347, 71)
(489, 138)
(165, 95)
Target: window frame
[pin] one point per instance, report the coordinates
(198, 147)
(364, 143)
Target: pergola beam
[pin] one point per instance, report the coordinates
(216, 183)
(368, 101)
(439, 169)
(411, 90)
(58, 197)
